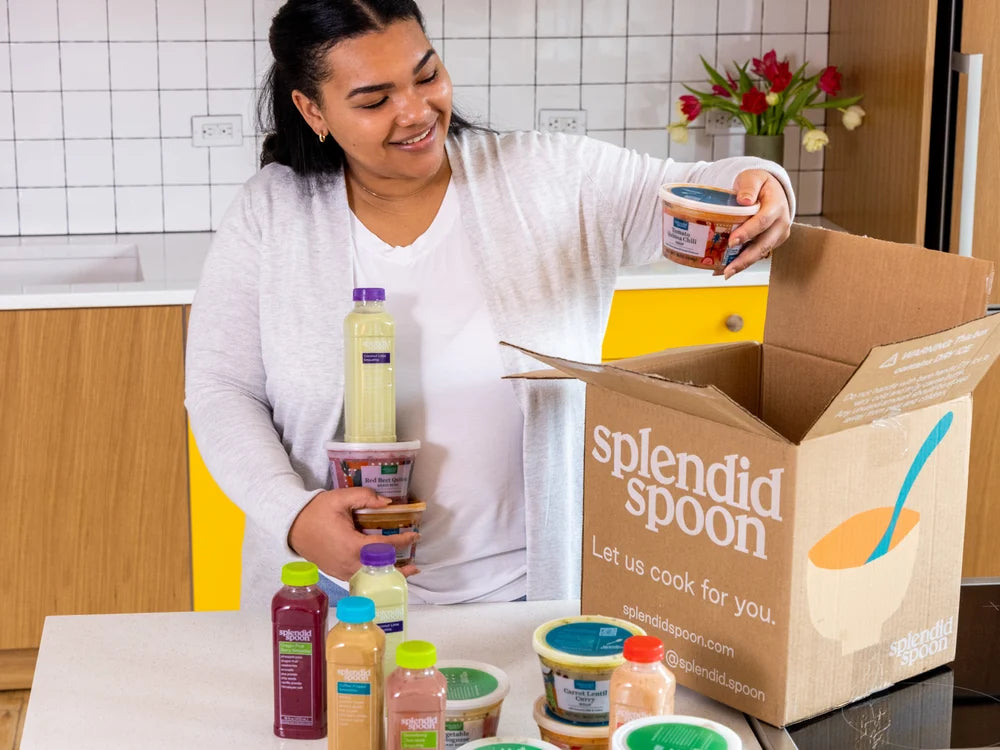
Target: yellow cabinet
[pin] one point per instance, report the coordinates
(649, 320)
(641, 321)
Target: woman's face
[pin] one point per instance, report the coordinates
(387, 103)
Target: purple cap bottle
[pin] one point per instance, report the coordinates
(378, 555)
(369, 294)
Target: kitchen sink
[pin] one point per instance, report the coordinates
(69, 264)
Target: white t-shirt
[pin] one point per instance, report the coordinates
(450, 396)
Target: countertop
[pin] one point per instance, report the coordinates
(203, 679)
(127, 270)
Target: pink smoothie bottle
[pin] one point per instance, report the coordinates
(298, 630)
(416, 696)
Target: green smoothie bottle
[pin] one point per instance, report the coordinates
(369, 379)
(380, 581)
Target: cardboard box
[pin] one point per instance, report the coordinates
(735, 495)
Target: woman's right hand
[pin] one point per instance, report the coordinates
(324, 532)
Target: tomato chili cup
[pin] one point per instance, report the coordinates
(697, 223)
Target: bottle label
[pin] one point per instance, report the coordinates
(352, 704)
(686, 237)
(418, 732)
(296, 706)
(388, 479)
(374, 358)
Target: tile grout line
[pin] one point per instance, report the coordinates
(204, 9)
(159, 125)
(13, 126)
(111, 114)
(62, 119)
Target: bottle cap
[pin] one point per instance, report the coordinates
(355, 609)
(299, 574)
(644, 649)
(369, 294)
(415, 655)
(378, 554)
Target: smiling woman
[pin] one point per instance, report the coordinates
(370, 179)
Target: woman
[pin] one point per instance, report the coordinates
(370, 179)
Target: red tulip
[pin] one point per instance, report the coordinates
(720, 90)
(690, 106)
(732, 83)
(754, 102)
(781, 77)
(765, 67)
(829, 81)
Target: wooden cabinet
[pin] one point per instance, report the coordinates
(94, 464)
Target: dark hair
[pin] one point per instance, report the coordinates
(302, 32)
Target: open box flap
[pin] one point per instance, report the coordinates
(912, 374)
(704, 401)
(828, 293)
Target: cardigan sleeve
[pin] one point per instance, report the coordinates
(225, 390)
(628, 185)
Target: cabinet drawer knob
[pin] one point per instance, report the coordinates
(734, 323)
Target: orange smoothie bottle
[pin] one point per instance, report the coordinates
(416, 696)
(642, 686)
(354, 649)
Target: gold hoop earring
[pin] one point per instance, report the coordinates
(322, 137)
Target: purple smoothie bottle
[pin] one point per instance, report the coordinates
(298, 630)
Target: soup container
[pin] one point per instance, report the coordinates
(675, 732)
(697, 223)
(391, 520)
(578, 655)
(384, 467)
(475, 696)
(569, 735)
(508, 743)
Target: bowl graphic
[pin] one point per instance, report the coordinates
(850, 599)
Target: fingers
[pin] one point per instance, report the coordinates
(409, 570)
(353, 498)
(748, 184)
(773, 208)
(758, 249)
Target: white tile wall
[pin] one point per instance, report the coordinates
(97, 96)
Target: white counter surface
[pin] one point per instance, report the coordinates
(203, 679)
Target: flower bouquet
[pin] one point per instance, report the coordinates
(768, 97)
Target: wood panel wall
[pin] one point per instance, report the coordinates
(93, 460)
(875, 178)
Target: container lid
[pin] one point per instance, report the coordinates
(416, 655)
(378, 554)
(405, 508)
(299, 574)
(706, 198)
(675, 732)
(355, 609)
(473, 684)
(548, 721)
(644, 649)
(369, 294)
(586, 640)
(508, 743)
(406, 445)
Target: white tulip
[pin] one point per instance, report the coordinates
(678, 131)
(772, 99)
(814, 140)
(853, 116)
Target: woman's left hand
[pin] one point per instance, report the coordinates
(766, 229)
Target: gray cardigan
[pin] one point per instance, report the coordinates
(551, 219)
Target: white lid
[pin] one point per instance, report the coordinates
(620, 739)
(509, 743)
(487, 699)
(408, 445)
(700, 198)
(545, 720)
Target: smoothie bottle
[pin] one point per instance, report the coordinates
(298, 630)
(354, 651)
(416, 698)
(369, 380)
(380, 581)
(642, 686)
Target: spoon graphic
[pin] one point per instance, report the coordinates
(932, 442)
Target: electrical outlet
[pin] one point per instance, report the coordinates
(217, 130)
(718, 122)
(563, 120)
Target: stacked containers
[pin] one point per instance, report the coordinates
(578, 656)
